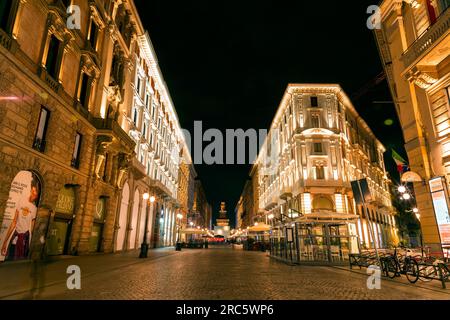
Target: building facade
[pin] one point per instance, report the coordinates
(414, 45)
(316, 146)
(87, 126)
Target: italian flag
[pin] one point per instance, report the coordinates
(402, 166)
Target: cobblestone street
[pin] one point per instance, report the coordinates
(216, 273)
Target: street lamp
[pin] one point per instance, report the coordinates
(401, 189)
(178, 245)
(406, 196)
(144, 245)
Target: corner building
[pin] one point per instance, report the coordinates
(316, 146)
(414, 46)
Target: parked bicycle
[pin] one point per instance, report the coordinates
(401, 263)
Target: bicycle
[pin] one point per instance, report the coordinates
(398, 264)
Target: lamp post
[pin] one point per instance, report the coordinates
(178, 245)
(144, 245)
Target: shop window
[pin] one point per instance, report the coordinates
(41, 132)
(314, 102)
(76, 151)
(53, 61)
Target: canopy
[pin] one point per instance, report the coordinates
(326, 216)
(260, 227)
(193, 231)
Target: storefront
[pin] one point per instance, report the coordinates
(316, 238)
(58, 240)
(96, 238)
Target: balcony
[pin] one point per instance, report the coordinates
(430, 39)
(111, 128)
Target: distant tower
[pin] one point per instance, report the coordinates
(222, 220)
(222, 227)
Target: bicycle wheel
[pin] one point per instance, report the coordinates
(428, 273)
(391, 268)
(412, 270)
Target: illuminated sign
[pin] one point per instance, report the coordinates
(439, 196)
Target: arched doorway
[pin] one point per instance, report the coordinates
(20, 216)
(95, 241)
(123, 217)
(134, 219)
(61, 227)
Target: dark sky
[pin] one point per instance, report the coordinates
(227, 63)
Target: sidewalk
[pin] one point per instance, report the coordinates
(25, 278)
(434, 285)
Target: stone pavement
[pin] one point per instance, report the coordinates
(220, 273)
(24, 279)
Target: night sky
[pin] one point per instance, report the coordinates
(228, 63)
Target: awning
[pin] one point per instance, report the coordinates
(193, 231)
(330, 217)
(260, 227)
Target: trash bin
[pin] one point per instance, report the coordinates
(178, 246)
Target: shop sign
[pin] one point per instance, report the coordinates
(66, 201)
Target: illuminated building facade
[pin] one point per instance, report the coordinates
(87, 122)
(414, 45)
(316, 146)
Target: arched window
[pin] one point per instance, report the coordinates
(321, 202)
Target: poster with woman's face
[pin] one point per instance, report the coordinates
(19, 216)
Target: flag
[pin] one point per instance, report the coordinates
(402, 166)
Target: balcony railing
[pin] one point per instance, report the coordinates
(114, 128)
(428, 39)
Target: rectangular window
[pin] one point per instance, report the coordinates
(153, 111)
(6, 15)
(144, 130)
(52, 60)
(41, 131)
(147, 100)
(320, 173)
(318, 148)
(138, 85)
(84, 92)
(76, 151)
(135, 116)
(93, 35)
(314, 102)
(315, 123)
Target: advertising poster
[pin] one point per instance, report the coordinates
(19, 217)
(441, 209)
